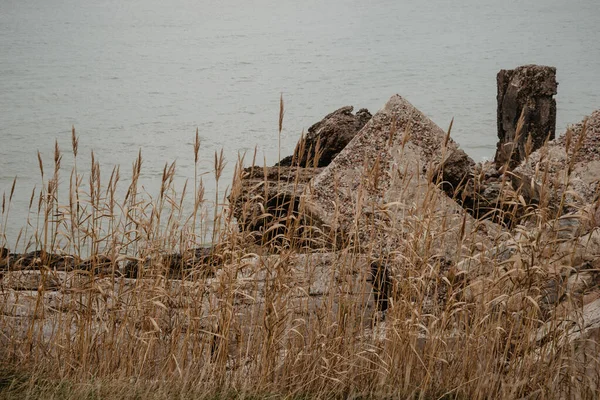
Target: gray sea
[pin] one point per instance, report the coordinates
(144, 74)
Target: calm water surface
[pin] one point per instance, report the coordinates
(146, 73)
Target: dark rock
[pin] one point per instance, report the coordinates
(327, 138)
(525, 92)
(265, 201)
(40, 259)
(454, 172)
(202, 261)
(381, 281)
(488, 194)
(100, 264)
(133, 269)
(4, 254)
(479, 188)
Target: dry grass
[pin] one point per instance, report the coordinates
(101, 335)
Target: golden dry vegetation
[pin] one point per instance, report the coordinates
(134, 312)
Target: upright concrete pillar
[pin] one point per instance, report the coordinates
(526, 92)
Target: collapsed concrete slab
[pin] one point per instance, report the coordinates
(382, 188)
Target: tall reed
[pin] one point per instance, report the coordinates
(143, 313)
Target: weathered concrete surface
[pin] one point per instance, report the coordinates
(564, 175)
(32, 280)
(525, 92)
(574, 337)
(561, 244)
(326, 138)
(555, 265)
(379, 191)
(255, 293)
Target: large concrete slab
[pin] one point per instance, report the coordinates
(378, 191)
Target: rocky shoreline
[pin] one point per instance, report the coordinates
(328, 169)
(381, 187)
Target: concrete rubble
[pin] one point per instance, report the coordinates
(377, 188)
